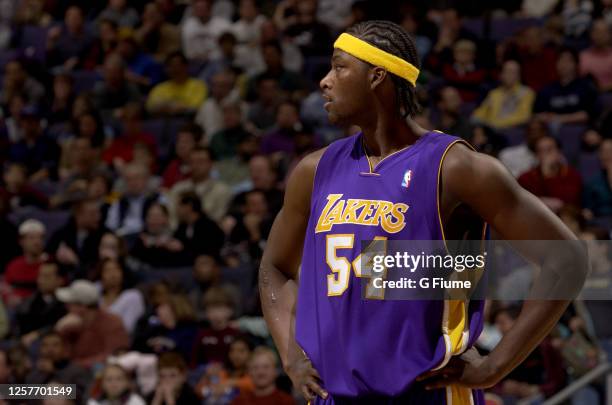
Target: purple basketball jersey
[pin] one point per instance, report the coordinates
(367, 348)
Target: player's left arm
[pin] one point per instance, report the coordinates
(485, 185)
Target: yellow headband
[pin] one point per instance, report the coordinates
(371, 54)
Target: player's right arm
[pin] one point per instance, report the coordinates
(279, 271)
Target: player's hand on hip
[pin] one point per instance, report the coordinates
(306, 379)
(469, 370)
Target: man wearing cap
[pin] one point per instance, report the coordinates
(91, 333)
(22, 272)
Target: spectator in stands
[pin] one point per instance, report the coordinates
(508, 105)
(450, 31)
(6, 368)
(180, 94)
(201, 30)
(37, 151)
(89, 125)
(17, 192)
(224, 143)
(214, 195)
(248, 27)
(253, 224)
(577, 15)
(288, 81)
(463, 73)
(117, 387)
(119, 12)
(22, 272)
(8, 233)
(92, 334)
(117, 298)
(188, 137)
(196, 231)
(121, 150)
(521, 158)
(306, 32)
(238, 360)
(291, 55)
(60, 105)
(98, 189)
(542, 373)
(20, 362)
(212, 343)
(16, 80)
(67, 45)
(126, 216)
(142, 69)
(223, 89)
(452, 121)
(537, 59)
(553, 180)
(103, 45)
(263, 370)
(111, 95)
(157, 37)
(597, 60)
(206, 274)
(568, 100)
(9, 124)
(598, 190)
(173, 387)
(235, 171)
(81, 162)
(262, 112)
(54, 365)
(75, 246)
(38, 314)
(170, 326)
(156, 246)
(288, 124)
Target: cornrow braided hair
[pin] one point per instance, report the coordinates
(393, 39)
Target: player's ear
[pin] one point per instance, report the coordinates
(377, 75)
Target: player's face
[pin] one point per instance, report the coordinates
(345, 88)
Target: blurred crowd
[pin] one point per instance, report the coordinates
(145, 145)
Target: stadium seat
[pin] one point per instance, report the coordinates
(474, 26)
(33, 42)
(588, 165)
(514, 136)
(53, 220)
(506, 27)
(164, 131)
(84, 80)
(570, 137)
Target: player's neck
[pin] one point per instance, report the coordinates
(387, 134)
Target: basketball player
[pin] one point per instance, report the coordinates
(393, 180)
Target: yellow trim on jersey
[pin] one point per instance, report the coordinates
(458, 395)
(455, 325)
(371, 54)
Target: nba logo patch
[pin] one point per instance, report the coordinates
(407, 178)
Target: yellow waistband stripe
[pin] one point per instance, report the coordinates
(371, 54)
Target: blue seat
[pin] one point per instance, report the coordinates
(474, 26)
(33, 41)
(588, 165)
(570, 137)
(164, 131)
(53, 220)
(84, 80)
(507, 27)
(513, 136)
